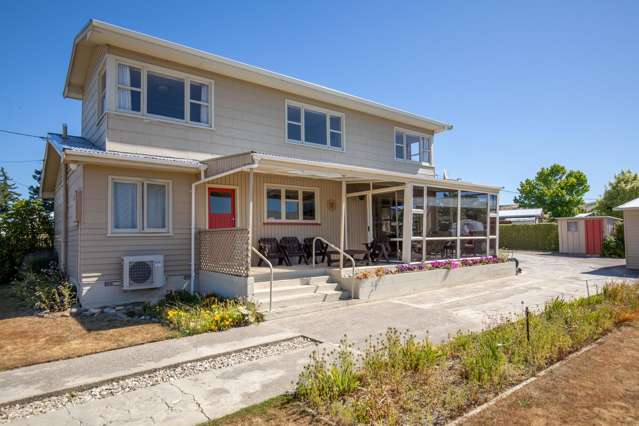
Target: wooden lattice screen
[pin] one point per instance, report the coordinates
(224, 251)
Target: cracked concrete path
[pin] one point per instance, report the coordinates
(436, 313)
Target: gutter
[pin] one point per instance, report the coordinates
(193, 187)
(115, 157)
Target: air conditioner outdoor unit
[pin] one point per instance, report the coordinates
(141, 272)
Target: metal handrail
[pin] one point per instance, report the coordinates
(336, 248)
(270, 265)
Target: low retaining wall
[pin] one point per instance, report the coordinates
(224, 285)
(414, 282)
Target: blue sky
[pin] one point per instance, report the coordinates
(525, 84)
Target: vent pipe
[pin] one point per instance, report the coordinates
(65, 131)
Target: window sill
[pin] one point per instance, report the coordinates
(290, 222)
(314, 145)
(160, 120)
(419, 163)
(140, 234)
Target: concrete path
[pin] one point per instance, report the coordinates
(436, 313)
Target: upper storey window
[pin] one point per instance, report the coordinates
(314, 126)
(163, 94)
(413, 146)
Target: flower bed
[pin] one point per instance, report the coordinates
(194, 314)
(400, 280)
(428, 266)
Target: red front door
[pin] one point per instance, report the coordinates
(221, 208)
(594, 236)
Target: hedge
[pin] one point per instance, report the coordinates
(541, 236)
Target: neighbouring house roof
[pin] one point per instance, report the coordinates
(588, 214)
(630, 205)
(97, 33)
(520, 213)
(587, 217)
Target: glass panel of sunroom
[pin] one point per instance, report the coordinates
(473, 248)
(441, 249)
(474, 213)
(441, 208)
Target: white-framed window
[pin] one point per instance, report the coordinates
(164, 94)
(314, 126)
(129, 88)
(139, 205)
(412, 146)
(572, 226)
(291, 204)
(102, 95)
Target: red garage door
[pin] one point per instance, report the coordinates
(594, 236)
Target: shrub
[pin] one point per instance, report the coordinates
(540, 236)
(192, 314)
(46, 290)
(328, 376)
(614, 244)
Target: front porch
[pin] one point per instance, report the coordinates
(251, 197)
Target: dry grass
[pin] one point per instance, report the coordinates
(28, 339)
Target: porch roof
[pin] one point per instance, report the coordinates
(283, 165)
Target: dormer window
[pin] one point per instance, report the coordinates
(412, 146)
(164, 94)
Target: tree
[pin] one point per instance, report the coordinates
(34, 191)
(560, 192)
(26, 227)
(8, 193)
(623, 188)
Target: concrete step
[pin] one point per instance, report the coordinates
(296, 300)
(294, 311)
(280, 290)
(316, 280)
(285, 274)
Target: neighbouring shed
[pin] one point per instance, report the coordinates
(584, 235)
(631, 232)
(520, 216)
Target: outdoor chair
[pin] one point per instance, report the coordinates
(379, 247)
(292, 248)
(271, 249)
(320, 249)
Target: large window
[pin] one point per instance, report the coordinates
(139, 206)
(291, 204)
(165, 94)
(413, 146)
(306, 124)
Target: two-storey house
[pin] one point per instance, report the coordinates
(187, 161)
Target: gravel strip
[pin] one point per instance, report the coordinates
(120, 386)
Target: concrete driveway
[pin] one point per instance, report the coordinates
(441, 313)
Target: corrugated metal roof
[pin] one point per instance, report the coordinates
(634, 204)
(84, 146)
(521, 213)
